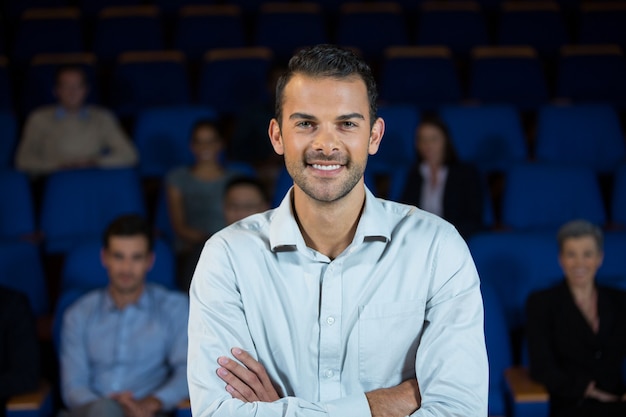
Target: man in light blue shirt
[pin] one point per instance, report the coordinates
(124, 347)
(336, 303)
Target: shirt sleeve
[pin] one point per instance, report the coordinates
(119, 149)
(75, 375)
(30, 156)
(451, 361)
(217, 322)
(175, 389)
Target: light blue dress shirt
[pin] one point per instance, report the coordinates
(402, 301)
(141, 348)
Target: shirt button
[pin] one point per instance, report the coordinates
(330, 320)
(329, 373)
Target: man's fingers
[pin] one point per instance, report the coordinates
(238, 377)
(269, 392)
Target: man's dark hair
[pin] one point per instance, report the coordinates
(128, 225)
(327, 61)
(250, 181)
(70, 68)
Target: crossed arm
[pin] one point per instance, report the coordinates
(247, 380)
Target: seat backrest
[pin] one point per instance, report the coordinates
(590, 73)
(514, 264)
(91, 8)
(17, 214)
(13, 9)
(144, 80)
(545, 196)
(618, 197)
(201, 28)
(396, 153)
(6, 91)
(507, 74)
(234, 77)
(540, 25)
(613, 269)
(162, 137)
(489, 136)
(459, 25)
(78, 205)
(499, 351)
(580, 135)
(602, 22)
(371, 27)
(422, 76)
(47, 30)
(127, 28)
(304, 22)
(21, 268)
(8, 138)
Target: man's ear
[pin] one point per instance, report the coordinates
(376, 135)
(276, 137)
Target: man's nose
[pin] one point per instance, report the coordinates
(326, 140)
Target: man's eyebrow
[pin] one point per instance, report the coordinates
(351, 116)
(301, 116)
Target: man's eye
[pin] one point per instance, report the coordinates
(349, 124)
(304, 124)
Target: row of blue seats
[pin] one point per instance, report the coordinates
(459, 25)
(427, 77)
(77, 205)
(15, 8)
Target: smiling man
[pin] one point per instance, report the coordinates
(335, 303)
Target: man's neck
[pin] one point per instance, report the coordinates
(124, 299)
(329, 228)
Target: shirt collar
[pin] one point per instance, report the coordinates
(285, 234)
(142, 303)
(61, 113)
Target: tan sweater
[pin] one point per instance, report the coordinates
(52, 140)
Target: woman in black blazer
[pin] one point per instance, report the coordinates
(577, 332)
(441, 184)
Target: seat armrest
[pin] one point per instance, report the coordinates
(37, 401)
(523, 388)
(183, 409)
(527, 398)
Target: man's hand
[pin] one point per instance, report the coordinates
(399, 401)
(248, 382)
(597, 394)
(146, 407)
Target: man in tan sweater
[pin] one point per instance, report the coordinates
(70, 134)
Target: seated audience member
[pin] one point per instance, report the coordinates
(440, 183)
(19, 348)
(577, 331)
(124, 347)
(71, 134)
(243, 197)
(194, 197)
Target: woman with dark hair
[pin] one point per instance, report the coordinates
(576, 331)
(440, 183)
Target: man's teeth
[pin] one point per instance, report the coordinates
(326, 167)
